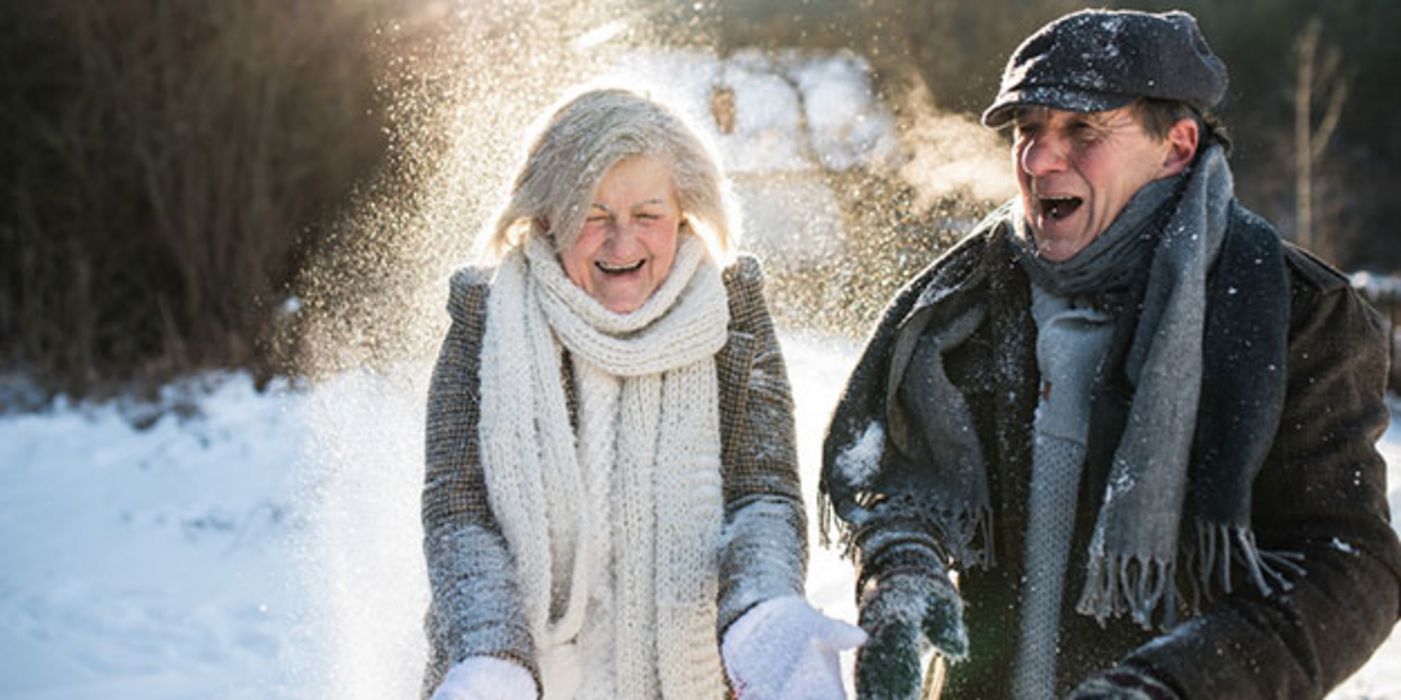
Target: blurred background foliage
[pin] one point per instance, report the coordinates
(163, 167)
(168, 169)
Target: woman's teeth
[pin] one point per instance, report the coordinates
(619, 269)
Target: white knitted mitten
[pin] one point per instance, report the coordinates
(784, 648)
(486, 678)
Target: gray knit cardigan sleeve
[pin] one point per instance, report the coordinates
(475, 608)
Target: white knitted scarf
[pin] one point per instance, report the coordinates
(615, 537)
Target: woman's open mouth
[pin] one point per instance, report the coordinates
(1057, 208)
(611, 269)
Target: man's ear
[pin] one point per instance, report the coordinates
(1182, 146)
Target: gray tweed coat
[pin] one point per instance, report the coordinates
(475, 608)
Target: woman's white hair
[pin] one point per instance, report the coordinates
(583, 138)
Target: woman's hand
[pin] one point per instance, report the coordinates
(486, 678)
(784, 648)
(906, 614)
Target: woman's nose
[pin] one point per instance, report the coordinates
(622, 237)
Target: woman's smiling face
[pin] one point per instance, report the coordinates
(628, 243)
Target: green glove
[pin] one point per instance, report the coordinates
(907, 614)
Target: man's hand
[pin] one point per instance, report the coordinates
(907, 614)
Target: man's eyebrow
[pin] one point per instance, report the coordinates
(604, 207)
(1107, 119)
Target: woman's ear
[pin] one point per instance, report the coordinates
(1182, 141)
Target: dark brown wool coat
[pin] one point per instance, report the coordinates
(1321, 491)
(475, 607)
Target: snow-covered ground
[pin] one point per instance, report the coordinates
(265, 545)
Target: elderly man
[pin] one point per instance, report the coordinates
(1134, 425)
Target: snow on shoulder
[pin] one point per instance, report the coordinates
(860, 461)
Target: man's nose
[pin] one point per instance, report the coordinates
(1045, 153)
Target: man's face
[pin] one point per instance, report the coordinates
(1077, 170)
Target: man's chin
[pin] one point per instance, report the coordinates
(1058, 241)
(1057, 248)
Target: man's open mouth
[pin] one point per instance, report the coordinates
(1057, 208)
(618, 269)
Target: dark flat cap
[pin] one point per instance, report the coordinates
(1096, 60)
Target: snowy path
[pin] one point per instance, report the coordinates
(266, 545)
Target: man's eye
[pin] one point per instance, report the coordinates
(596, 219)
(1085, 131)
(647, 217)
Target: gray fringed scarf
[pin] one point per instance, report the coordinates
(1134, 550)
(1133, 553)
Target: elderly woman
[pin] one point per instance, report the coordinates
(612, 506)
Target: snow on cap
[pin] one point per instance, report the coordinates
(1097, 60)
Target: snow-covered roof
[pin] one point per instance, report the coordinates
(791, 110)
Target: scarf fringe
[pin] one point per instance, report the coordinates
(1140, 586)
(961, 532)
(1216, 556)
(1136, 585)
